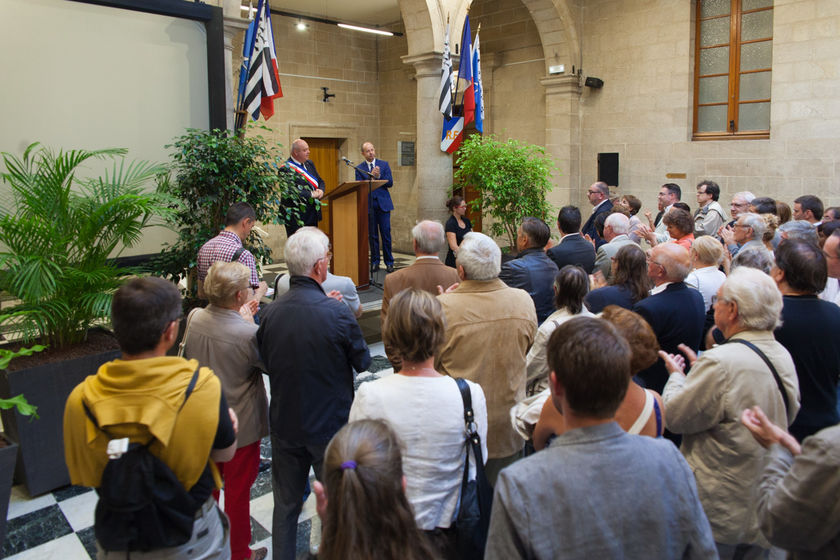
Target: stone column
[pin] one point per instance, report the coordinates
(562, 136)
(234, 25)
(434, 167)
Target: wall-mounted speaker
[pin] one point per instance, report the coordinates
(608, 168)
(596, 83)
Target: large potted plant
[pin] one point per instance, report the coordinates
(8, 448)
(511, 178)
(59, 235)
(209, 171)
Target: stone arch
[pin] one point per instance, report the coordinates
(558, 31)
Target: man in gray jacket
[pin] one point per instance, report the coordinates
(596, 491)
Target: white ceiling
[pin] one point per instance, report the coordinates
(365, 12)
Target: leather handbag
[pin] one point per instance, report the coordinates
(473, 520)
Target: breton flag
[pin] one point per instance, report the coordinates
(479, 88)
(446, 78)
(263, 79)
(465, 73)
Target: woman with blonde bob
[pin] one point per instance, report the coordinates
(706, 255)
(223, 339)
(426, 411)
(362, 504)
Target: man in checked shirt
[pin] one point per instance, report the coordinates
(227, 247)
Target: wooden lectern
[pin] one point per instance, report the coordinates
(349, 228)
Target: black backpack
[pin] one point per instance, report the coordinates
(142, 505)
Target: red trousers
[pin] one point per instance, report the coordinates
(239, 475)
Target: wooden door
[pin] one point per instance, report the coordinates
(324, 153)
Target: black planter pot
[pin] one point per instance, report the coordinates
(8, 455)
(40, 465)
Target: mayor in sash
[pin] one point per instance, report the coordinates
(309, 184)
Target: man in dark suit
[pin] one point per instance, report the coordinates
(427, 272)
(309, 183)
(573, 248)
(532, 270)
(379, 206)
(599, 197)
(674, 310)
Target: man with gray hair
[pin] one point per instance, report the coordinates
(740, 204)
(747, 232)
(426, 273)
(675, 311)
(310, 344)
(705, 407)
(616, 227)
(489, 329)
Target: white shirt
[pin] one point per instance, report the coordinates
(427, 414)
(536, 362)
(707, 281)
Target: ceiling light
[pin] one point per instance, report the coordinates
(300, 25)
(366, 29)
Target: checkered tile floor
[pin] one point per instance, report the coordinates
(60, 524)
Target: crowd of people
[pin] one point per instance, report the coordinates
(663, 387)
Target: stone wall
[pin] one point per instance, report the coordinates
(644, 53)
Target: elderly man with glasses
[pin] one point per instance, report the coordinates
(310, 344)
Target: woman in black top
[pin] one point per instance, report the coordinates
(457, 226)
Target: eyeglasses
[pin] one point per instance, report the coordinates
(741, 225)
(594, 192)
(741, 205)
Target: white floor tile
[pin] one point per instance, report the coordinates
(262, 509)
(21, 503)
(79, 510)
(68, 547)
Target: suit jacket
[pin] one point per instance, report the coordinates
(425, 274)
(677, 315)
(603, 260)
(312, 211)
(573, 249)
(589, 227)
(380, 199)
(533, 272)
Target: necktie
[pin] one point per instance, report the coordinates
(370, 166)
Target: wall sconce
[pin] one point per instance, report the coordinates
(327, 95)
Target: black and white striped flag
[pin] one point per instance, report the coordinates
(446, 79)
(263, 78)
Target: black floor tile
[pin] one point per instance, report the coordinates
(70, 491)
(33, 529)
(258, 532)
(88, 539)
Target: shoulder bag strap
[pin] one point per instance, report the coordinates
(469, 424)
(761, 355)
(237, 254)
(183, 342)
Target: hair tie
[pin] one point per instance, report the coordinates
(348, 465)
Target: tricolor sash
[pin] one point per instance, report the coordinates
(303, 173)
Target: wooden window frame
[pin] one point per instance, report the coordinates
(734, 74)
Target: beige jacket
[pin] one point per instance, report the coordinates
(489, 329)
(706, 408)
(222, 340)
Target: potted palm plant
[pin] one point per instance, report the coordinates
(59, 235)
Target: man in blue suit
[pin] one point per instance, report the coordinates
(674, 310)
(379, 206)
(599, 197)
(309, 184)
